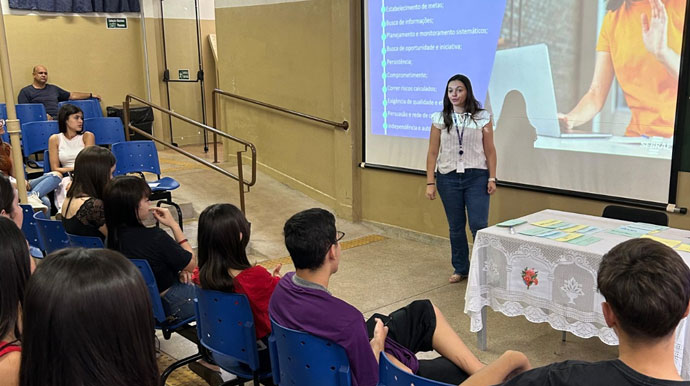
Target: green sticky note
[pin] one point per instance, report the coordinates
(511, 223)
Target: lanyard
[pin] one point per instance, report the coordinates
(460, 134)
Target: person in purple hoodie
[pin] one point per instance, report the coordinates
(301, 301)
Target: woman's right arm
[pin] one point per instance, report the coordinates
(593, 100)
(53, 148)
(431, 156)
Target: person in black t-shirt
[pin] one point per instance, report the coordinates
(40, 91)
(646, 286)
(126, 206)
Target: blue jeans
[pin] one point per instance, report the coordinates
(44, 185)
(178, 301)
(459, 191)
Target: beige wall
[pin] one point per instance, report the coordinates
(79, 52)
(305, 56)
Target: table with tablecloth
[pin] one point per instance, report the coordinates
(562, 279)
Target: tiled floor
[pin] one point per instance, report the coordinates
(380, 269)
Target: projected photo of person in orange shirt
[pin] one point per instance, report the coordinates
(639, 46)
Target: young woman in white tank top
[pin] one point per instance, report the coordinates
(64, 146)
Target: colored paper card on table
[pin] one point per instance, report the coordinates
(534, 231)
(569, 236)
(584, 240)
(575, 228)
(622, 231)
(589, 230)
(668, 242)
(563, 226)
(683, 248)
(556, 234)
(647, 227)
(511, 223)
(546, 223)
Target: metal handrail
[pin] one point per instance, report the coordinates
(344, 125)
(247, 145)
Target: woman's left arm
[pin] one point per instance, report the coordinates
(490, 153)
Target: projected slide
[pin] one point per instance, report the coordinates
(418, 42)
(582, 93)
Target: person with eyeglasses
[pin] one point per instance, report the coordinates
(302, 302)
(461, 164)
(40, 91)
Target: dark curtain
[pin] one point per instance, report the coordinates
(78, 6)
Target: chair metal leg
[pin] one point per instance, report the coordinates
(177, 365)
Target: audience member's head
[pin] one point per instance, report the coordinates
(647, 287)
(87, 321)
(93, 168)
(9, 202)
(223, 236)
(126, 204)
(309, 236)
(16, 268)
(70, 116)
(40, 74)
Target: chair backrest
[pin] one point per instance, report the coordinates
(299, 358)
(90, 107)
(154, 294)
(226, 326)
(3, 111)
(136, 156)
(391, 375)
(35, 136)
(29, 225)
(3, 115)
(635, 215)
(46, 162)
(30, 112)
(108, 130)
(51, 234)
(85, 241)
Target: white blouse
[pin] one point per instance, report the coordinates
(68, 149)
(473, 157)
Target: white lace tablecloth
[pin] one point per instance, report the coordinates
(565, 294)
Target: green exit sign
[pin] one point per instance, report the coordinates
(116, 23)
(183, 74)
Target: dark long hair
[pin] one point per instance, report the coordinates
(222, 238)
(472, 105)
(63, 115)
(87, 321)
(91, 172)
(120, 201)
(15, 272)
(6, 195)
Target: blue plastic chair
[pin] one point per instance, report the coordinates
(91, 107)
(51, 234)
(392, 375)
(30, 112)
(142, 157)
(3, 115)
(78, 241)
(226, 328)
(299, 358)
(30, 230)
(35, 136)
(107, 130)
(168, 327)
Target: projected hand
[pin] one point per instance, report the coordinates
(655, 30)
(431, 192)
(565, 122)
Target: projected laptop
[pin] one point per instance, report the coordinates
(528, 70)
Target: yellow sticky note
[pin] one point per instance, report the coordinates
(574, 229)
(544, 223)
(570, 236)
(670, 243)
(683, 247)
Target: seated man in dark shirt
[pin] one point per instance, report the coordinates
(301, 301)
(48, 94)
(647, 290)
